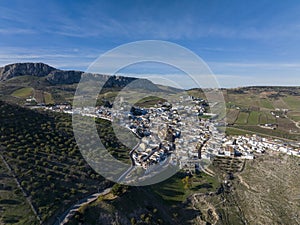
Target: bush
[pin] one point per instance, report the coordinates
(133, 221)
(118, 189)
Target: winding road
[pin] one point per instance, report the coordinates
(132, 164)
(70, 212)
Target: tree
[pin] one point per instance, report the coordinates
(133, 221)
(118, 189)
(187, 182)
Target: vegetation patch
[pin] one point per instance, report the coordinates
(292, 102)
(254, 118)
(48, 98)
(266, 103)
(23, 92)
(242, 118)
(45, 159)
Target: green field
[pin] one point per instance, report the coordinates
(171, 190)
(265, 103)
(243, 118)
(271, 118)
(234, 131)
(254, 118)
(293, 102)
(279, 133)
(48, 98)
(263, 119)
(23, 92)
(251, 106)
(294, 116)
(174, 192)
(149, 101)
(40, 96)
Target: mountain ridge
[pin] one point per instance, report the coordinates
(20, 69)
(54, 76)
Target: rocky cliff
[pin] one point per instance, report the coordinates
(64, 77)
(21, 69)
(56, 76)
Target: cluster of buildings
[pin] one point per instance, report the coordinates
(247, 146)
(175, 132)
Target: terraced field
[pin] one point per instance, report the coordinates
(48, 98)
(232, 115)
(247, 108)
(39, 95)
(242, 118)
(266, 103)
(294, 116)
(293, 102)
(254, 118)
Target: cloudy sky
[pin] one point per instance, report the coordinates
(243, 42)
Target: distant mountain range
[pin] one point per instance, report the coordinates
(55, 76)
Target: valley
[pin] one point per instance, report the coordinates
(43, 173)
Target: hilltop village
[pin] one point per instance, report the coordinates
(182, 133)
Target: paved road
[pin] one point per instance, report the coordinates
(69, 213)
(132, 163)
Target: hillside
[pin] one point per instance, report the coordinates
(56, 76)
(269, 111)
(48, 85)
(22, 69)
(262, 191)
(42, 172)
(44, 160)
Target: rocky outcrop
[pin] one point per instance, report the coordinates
(56, 77)
(21, 69)
(130, 83)
(64, 77)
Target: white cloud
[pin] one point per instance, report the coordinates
(255, 65)
(16, 31)
(59, 58)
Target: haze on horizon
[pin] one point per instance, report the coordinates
(244, 43)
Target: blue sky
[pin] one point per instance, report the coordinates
(243, 42)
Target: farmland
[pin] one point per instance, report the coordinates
(242, 118)
(254, 118)
(294, 116)
(23, 92)
(29, 92)
(249, 108)
(47, 162)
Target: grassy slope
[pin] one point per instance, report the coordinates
(255, 107)
(23, 92)
(166, 197)
(263, 191)
(247, 108)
